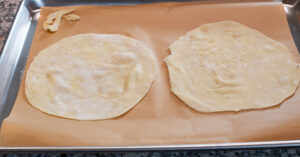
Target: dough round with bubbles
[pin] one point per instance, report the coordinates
(226, 66)
(90, 76)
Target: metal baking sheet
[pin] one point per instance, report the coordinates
(14, 56)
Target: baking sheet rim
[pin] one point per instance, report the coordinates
(234, 145)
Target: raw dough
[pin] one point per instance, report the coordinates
(226, 66)
(71, 17)
(90, 76)
(53, 20)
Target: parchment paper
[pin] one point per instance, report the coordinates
(160, 118)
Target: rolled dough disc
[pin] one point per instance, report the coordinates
(226, 66)
(90, 76)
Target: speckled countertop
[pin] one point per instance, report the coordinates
(8, 9)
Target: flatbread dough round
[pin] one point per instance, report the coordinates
(226, 66)
(90, 76)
